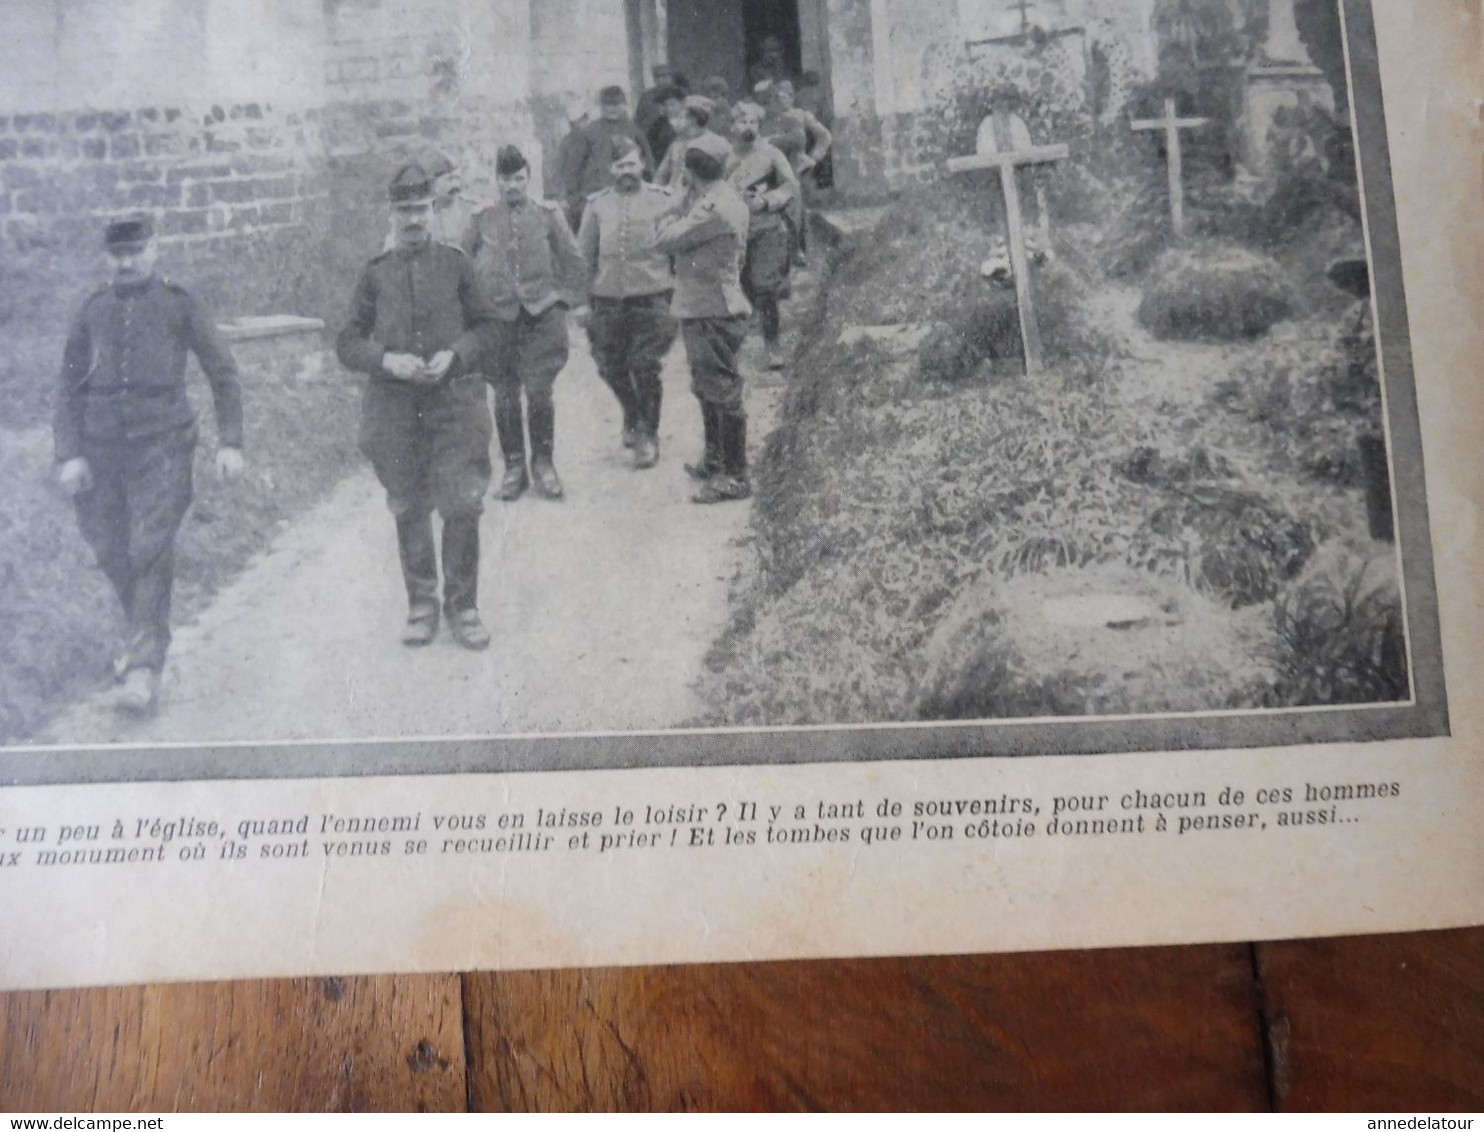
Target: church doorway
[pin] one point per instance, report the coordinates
(743, 41)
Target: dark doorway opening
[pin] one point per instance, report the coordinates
(727, 38)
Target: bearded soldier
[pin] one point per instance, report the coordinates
(630, 325)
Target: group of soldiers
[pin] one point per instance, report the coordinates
(461, 297)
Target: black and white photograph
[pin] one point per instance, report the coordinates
(430, 386)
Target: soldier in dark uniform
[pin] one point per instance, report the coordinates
(706, 233)
(417, 327)
(588, 155)
(125, 438)
(630, 327)
(527, 258)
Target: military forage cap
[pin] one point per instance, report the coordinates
(509, 161)
(128, 235)
(612, 96)
(712, 145)
(411, 185)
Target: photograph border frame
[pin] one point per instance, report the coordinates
(1425, 716)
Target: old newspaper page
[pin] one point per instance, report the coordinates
(497, 483)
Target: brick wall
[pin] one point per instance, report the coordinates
(203, 173)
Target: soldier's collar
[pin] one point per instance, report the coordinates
(133, 286)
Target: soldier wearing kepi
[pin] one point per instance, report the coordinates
(527, 258)
(452, 210)
(417, 327)
(706, 233)
(125, 438)
(630, 326)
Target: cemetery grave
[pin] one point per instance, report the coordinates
(1023, 474)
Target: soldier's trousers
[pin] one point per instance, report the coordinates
(430, 450)
(527, 356)
(711, 346)
(130, 518)
(630, 338)
(765, 275)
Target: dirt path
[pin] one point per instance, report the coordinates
(601, 607)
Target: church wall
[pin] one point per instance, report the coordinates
(181, 109)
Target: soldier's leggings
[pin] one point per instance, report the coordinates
(765, 275)
(630, 338)
(130, 517)
(430, 450)
(527, 355)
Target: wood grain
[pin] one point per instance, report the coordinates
(362, 1044)
(1390, 1023)
(1152, 1028)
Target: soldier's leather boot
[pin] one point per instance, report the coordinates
(510, 425)
(646, 451)
(542, 417)
(515, 481)
(421, 627)
(710, 463)
(469, 630)
(139, 694)
(732, 483)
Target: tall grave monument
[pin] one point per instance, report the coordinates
(1282, 75)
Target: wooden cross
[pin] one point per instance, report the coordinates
(1024, 7)
(998, 147)
(1172, 124)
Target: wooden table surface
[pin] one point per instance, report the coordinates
(1391, 1023)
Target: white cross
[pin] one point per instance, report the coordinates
(995, 150)
(1172, 124)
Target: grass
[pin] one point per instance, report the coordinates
(918, 511)
(62, 623)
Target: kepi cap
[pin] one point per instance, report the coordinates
(411, 185)
(510, 160)
(612, 96)
(700, 102)
(128, 235)
(436, 163)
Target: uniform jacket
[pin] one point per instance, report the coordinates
(123, 368)
(765, 170)
(707, 243)
(526, 258)
(418, 302)
(617, 241)
(588, 157)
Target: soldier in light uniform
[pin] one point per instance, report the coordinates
(527, 258)
(762, 174)
(125, 437)
(629, 284)
(418, 326)
(706, 233)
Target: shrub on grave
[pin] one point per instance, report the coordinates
(1340, 638)
(1313, 401)
(1214, 291)
(1233, 543)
